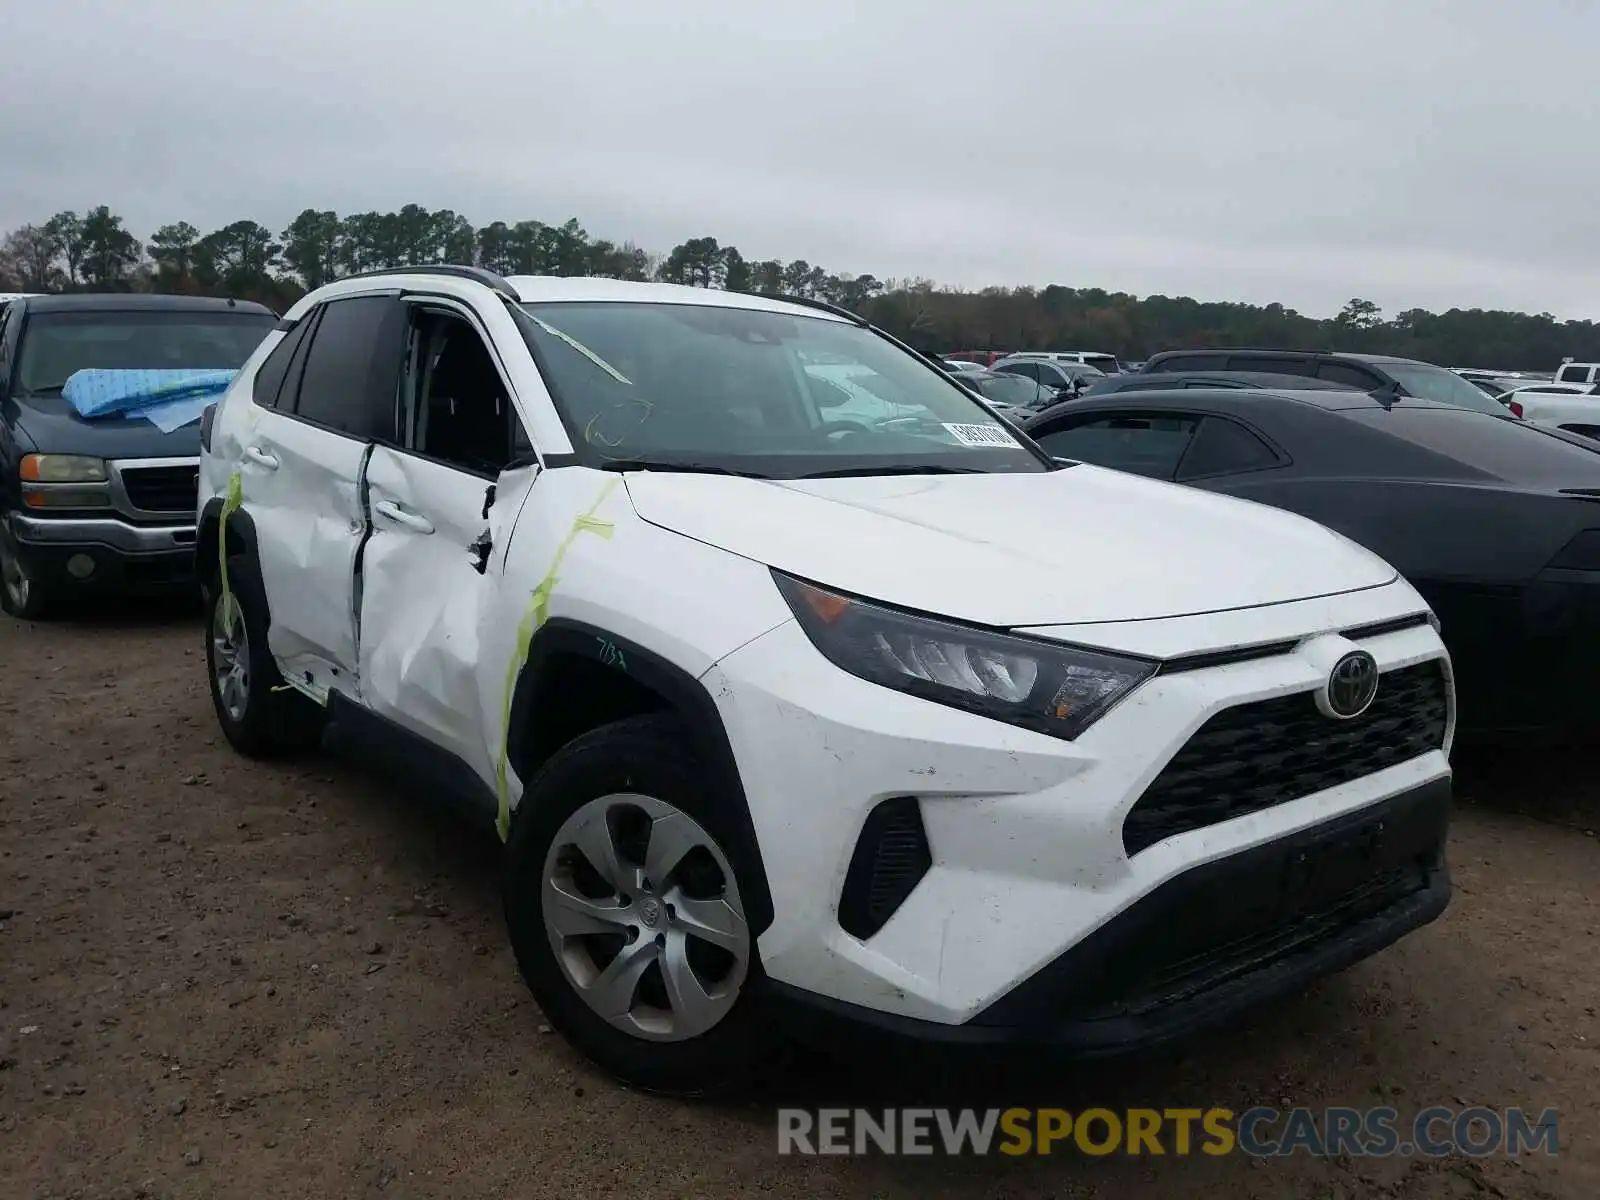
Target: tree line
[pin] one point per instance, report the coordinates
(95, 251)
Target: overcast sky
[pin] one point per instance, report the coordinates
(1432, 153)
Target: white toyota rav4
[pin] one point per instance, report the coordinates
(887, 720)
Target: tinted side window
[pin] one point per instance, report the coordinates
(269, 379)
(1224, 447)
(1350, 376)
(1188, 362)
(1150, 445)
(1027, 370)
(1573, 374)
(335, 387)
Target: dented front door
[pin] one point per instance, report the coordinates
(432, 559)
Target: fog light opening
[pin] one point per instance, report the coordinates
(80, 566)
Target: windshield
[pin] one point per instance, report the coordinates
(54, 345)
(1445, 387)
(761, 393)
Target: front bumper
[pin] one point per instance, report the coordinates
(1213, 942)
(1025, 858)
(123, 556)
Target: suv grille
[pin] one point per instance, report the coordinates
(1255, 756)
(162, 489)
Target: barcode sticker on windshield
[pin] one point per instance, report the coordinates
(983, 435)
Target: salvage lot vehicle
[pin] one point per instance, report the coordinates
(1497, 523)
(777, 709)
(1363, 372)
(1574, 407)
(105, 504)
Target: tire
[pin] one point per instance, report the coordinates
(22, 595)
(640, 771)
(260, 717)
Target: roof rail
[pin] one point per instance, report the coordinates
(477, 274)
(807, 302)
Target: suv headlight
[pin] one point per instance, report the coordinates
(62, 468)
(1051, 688)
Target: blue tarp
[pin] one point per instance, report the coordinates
(167, 399)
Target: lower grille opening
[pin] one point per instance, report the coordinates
(890, 859)
(162, 489)
(1256, 756)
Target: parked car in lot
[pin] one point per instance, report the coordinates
(108, 503)
(1106, 364)
(784, 714)
(1205, 379)
(1018, 395)
(1574, 407)
(1578, 372)
(1061, 375)
(1365, 372)
(1496, 522)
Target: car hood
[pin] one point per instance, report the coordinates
(1079, 545)
(54, 427)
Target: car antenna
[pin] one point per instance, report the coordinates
(1387, 394)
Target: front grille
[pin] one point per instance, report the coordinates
(1254, 756)
(162, 489)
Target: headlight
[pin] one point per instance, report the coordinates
(62, 468)
(1054, 689)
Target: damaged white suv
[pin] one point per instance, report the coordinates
(883, 719)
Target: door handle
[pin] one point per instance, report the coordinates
(261, 458)
(390, 511)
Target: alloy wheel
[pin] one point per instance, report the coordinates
(644, 917)
(230, 656)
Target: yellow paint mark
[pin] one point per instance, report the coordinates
(233, 500)
(538, 612)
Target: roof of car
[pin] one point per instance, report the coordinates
(553, 289)
(1375, 359)
(1330, 400)
(139, 302)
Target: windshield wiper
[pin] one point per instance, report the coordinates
(892, 469)
(682, 468)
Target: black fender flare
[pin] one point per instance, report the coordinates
(683, 693)
(208, 537)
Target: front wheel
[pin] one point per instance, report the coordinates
(22, 594)
(625, 910)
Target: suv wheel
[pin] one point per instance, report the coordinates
(21, 594)
(259, 715)
(626, 915)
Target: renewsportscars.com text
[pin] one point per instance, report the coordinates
(1257, 1132)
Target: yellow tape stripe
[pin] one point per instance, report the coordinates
(538, 612)
(233, 500)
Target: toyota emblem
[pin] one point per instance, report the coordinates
(1351, 685)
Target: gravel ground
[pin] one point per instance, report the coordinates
(221, 979)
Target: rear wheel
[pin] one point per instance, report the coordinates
(260, 715)
(626, 913)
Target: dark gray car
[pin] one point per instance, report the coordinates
(1495, 521)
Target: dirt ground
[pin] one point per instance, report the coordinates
(219, 979)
